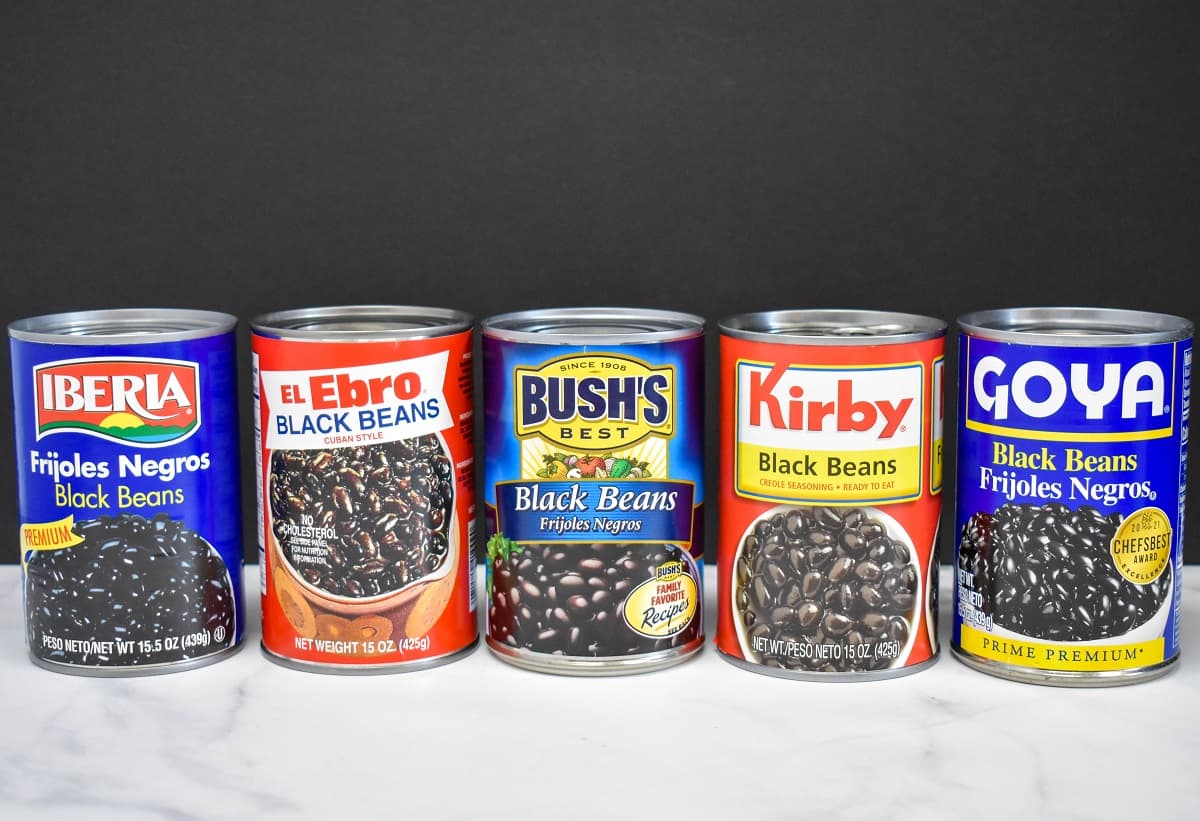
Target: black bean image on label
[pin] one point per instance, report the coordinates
(825, 589)
(363, 521)
(131, 579)
(568, 599)
(1046, 572)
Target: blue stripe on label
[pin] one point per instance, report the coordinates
(634, 511)
(1068, 393)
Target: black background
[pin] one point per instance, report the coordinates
(713, 157)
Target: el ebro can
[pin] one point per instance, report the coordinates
(1072, 456)
(127, 467)
(831, 481)
(363, 420)
(594, 488)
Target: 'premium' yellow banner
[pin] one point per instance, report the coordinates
(829, 477)
(49, 536)
(1072, 657)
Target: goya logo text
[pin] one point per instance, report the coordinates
(143, 402)
(829, 434)
(595, 401)
(1067, 394)
(356, 405)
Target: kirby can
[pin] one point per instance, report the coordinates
(831, 480)
(594, 488)
(1072, 465)
(127, 466)
(363, 419)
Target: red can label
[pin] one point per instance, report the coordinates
(830, 497)
(366, 498)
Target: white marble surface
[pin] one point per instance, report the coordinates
(480, 739)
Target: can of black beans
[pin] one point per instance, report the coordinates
(831, 480)
(594, 488)
(127, 466)
(363, 423)
(1072, 458)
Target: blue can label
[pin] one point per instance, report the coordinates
(130, 535)
(1071, 482)
(594, 497)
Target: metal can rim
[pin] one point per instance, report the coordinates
(121, 326)
(821, 326)
(566, 326)
(361, 323)
(1075, 326)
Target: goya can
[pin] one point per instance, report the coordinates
(831, 480)
(594, 488)
(1072, 456)
(363, 423)
(127, 466)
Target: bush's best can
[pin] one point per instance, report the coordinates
(1072, 455)
(594, 488)
(127, 461)
(363, 421)
(831, 479)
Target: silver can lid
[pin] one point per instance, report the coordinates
(361, 323)
(122, 326)
(1075, 327)
(593, 326)
(833, 326)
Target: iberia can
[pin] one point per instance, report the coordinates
(127, 464)
(1072, 456)
(594, 488)
(363, 420)
(831, 480)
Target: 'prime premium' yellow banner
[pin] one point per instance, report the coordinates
(1072, 657)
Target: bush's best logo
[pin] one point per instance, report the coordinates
(144, 402)
(1020, 393)
(595, 401)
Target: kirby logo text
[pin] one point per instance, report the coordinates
(874, 403)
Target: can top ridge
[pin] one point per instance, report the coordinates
(119, 326)
(361, 323)
(833, 326)
(1075, 326)
(594, 326)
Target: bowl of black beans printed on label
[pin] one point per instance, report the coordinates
(826, 590)
(364, 526)
(1046, 573)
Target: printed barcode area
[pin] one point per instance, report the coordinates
(471, 561)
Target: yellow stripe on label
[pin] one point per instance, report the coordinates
(49, 536)
(1067, 657)
(1066, 436)
(935, 467)
(861, 476)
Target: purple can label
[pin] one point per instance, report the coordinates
(594, 492)
(130, 538)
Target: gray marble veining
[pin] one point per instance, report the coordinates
(480, 739)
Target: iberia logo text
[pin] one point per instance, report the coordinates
(594, 401)
(145, 402)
